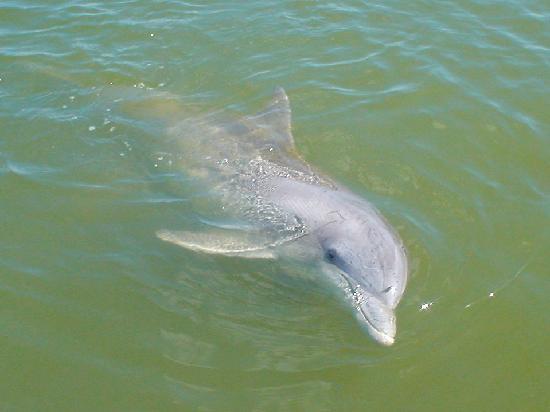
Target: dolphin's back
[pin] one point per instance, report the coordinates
(214, 144)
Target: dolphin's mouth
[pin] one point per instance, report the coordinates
(377, 334)
(373, 314)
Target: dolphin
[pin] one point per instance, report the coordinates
(287, 210)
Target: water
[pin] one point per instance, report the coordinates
(437, 112)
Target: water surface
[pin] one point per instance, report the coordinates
(437, 112)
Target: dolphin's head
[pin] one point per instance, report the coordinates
(371, 265)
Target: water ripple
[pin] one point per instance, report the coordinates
(434, 111)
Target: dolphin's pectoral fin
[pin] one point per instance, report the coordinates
(220, 242)
(276, 117)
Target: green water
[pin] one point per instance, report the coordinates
(437, 112)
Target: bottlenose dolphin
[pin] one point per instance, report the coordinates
(290, 211)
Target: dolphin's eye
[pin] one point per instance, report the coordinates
(330, 254)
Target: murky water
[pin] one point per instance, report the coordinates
(437, 112)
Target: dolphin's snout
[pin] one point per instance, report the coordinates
(378, 319)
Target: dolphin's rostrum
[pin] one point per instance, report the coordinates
(290, 211)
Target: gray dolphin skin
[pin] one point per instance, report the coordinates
(286, 210)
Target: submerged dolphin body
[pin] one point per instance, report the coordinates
(292, 212)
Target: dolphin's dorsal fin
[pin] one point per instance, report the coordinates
(277, 117)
